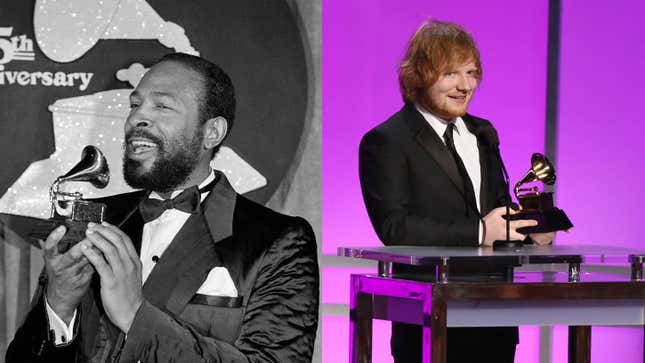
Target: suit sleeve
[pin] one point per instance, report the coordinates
(279, 323)
(385, 183)
(33, 341)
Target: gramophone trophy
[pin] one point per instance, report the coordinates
(71, 209)
(538, 205)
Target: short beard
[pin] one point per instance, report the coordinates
(169, 170)
(441, 112)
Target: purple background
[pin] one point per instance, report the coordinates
(601, 85)
(601, 131)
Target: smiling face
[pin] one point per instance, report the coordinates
(164, 135)
(450, 95)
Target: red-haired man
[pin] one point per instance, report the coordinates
(430, 175)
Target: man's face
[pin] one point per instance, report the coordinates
(450, 95)
(163, 133)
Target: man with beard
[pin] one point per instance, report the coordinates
(430, 175)
(186, 270)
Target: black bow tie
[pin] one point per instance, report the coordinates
(187, 201)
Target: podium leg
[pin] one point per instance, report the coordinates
(439, 332)
(360, 324)
(579, 344)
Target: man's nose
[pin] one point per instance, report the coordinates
(138, 118)
(464, 83)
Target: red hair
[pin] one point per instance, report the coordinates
(434, 48)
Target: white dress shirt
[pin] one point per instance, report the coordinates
(466, 146)
(157, 236)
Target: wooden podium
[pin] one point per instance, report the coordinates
(571, 298)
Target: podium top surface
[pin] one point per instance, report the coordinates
(432, 255)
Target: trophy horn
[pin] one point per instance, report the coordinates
(92, 168)
(541, 169)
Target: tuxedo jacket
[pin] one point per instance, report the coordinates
(412, 188)
(271, 258)
(414, 195)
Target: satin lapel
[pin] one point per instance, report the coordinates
(484, 165)
(133, 227)
(219, 208)
(123, 212)
(484, 197)
(430, 141)
(184, 265)
(219, 211)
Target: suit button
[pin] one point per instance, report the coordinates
(42, 347)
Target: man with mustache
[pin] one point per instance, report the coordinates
(185, 270)
(430, 175)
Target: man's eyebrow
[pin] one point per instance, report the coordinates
(135, 93)
(163, 94)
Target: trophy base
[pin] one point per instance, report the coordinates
(504, 245)
(75, 232)
(550, 220)
(80, 213)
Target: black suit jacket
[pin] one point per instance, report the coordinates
(411, 186)
(414, 196)
(270, 257)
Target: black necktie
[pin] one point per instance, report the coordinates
(187, 201)
(469, 191)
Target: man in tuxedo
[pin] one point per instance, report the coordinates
(431, 175)
(184, 270)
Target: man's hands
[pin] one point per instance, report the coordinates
(495, 226)
(68, 275)
(106, 249)
(120, 270)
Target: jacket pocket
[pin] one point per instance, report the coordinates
(220, 301)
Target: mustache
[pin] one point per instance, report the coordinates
(144, 134)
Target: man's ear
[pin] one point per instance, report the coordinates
(214, 131)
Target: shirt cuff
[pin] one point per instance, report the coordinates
(63, 334)
(481, 233)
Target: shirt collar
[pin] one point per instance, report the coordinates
(438, 124)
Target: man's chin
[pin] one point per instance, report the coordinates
(135, 173)
(453, 113)
(447, 111)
